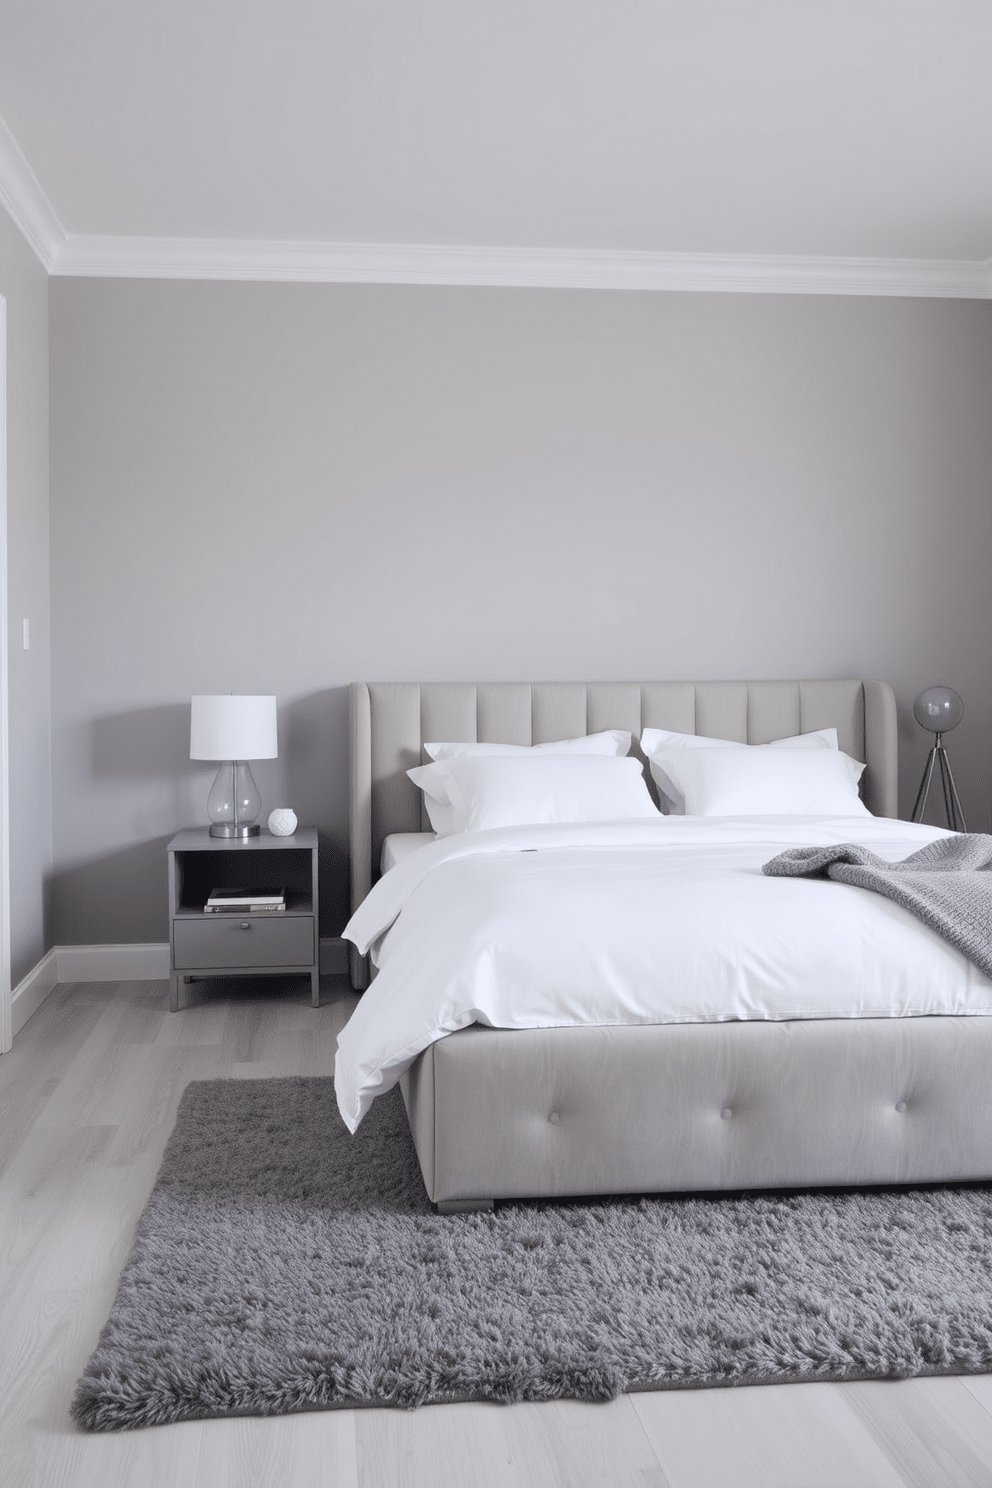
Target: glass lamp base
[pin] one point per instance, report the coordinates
(234, 802)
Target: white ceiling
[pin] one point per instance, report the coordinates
(854, 129)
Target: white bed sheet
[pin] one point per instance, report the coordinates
(399, 845)
(634, 922)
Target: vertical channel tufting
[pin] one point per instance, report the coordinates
(669, 705)
(614, 705)
(559, 711)
(773, 711)
(721, 710)
(838, 705)
(504, 712)
(447, 712)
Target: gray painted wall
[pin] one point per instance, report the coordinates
(24, 285)
(279, 488)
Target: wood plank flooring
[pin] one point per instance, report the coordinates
(87, 1100)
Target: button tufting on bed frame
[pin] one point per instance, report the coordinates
(794, 1122)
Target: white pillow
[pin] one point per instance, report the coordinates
(436, 800)
(758, 781)
(514, 791)
(433, 781)
(654, 741)
(611, 741)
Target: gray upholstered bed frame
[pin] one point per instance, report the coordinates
(514, 1113)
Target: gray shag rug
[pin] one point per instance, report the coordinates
(282, 1265)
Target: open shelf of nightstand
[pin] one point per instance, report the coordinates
(206, 945)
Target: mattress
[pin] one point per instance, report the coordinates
(398, 846)
(636, 923)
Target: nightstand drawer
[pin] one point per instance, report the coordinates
(223, 940)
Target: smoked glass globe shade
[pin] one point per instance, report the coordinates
(938, 709)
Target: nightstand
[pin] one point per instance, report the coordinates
(216, 945)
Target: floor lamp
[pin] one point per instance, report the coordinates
(938, 710)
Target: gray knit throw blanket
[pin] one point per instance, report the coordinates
(947, 884)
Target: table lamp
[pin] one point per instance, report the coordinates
(233, 728)
(939, 709)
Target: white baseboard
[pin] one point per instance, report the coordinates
(114, 963)
(123, 963)
(31, 992)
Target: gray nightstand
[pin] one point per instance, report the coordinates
(214, 945)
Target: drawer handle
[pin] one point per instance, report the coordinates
(245, 925)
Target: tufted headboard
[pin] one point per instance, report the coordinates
(390, 722)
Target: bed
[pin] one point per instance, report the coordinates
(499, 1112)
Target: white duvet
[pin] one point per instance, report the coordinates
(634, 922)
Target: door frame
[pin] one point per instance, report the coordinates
(6, 1010)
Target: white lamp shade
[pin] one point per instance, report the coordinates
(232, 727)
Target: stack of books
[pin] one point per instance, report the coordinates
(246, 901)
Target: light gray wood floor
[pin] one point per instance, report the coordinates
(87, 1100)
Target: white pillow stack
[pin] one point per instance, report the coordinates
(510, 791)
(471, 787)
(478, 787)
(805, 775)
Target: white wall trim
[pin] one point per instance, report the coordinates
(150, 963)
(122, 963)
(114, 257)
(22, 195)
(30, 993)
(113, 963)
(6, 997)
(383, 263)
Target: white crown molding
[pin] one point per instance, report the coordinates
(108, 257)
(26, 202)
(381, 263)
